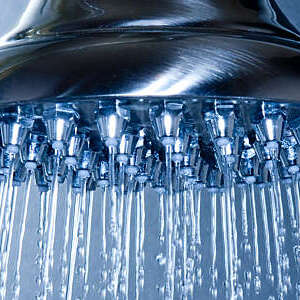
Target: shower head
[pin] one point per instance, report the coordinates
(179, 113)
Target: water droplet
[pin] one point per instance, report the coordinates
(214, 293)
(161, 259)
(257, 285)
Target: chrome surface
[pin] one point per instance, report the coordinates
(82, 49)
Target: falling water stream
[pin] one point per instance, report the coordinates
(243, 242)
(174, 215)
(22, 234)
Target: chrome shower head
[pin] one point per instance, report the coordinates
(196, 100)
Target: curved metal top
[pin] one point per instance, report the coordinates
(78, 49)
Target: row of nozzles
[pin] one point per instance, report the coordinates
(260, 146)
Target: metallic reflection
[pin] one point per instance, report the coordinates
(194, 48)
